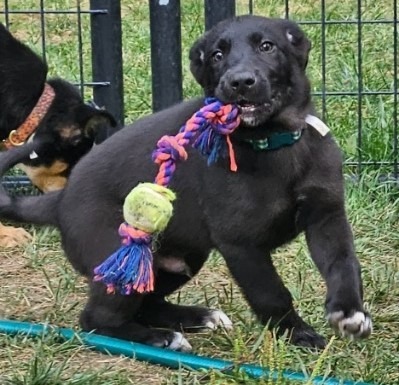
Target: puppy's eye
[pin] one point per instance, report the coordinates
(217, 56)
(266, 46)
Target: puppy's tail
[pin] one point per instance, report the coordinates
(41, 209)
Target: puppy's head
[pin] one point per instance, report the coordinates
(67, 132)
(256, 62)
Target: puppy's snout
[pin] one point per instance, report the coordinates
(242, 82)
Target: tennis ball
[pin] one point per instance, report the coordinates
(148, 207)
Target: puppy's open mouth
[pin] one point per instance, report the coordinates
(253, 113)
(247, 107)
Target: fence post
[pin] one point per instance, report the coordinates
(166, 66)
(106, 45)
(217, 10)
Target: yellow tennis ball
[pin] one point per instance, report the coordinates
(148, 207)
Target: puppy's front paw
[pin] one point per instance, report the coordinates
(357, 325)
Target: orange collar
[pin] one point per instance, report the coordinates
(24, 131)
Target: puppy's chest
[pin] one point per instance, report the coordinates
(257, 203)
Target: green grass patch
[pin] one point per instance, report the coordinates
(38, 285)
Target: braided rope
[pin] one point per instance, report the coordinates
(130, 267)
(211, 120)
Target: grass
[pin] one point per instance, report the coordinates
(39, 285)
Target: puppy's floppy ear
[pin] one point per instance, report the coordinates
(91, 119)
(88, 123)
(300, 43)
(197, 60)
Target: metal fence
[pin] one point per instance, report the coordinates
(345, 93)
(105, 36)
(95, 44)
(368, 152)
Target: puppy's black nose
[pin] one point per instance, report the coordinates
(242, 81)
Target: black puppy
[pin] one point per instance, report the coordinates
(280, 190)
(51, 112)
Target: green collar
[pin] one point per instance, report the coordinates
(275, 141)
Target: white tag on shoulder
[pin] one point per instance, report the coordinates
(33, 155)
(317, 124)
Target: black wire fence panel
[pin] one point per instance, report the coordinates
(355, 77)
(353, 68)
(81, 41)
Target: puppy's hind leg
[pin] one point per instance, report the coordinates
(157, 312)
(114, 316)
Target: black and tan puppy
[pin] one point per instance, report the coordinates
(52, 112)
(258, 63)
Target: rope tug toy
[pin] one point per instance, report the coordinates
(148, 207)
